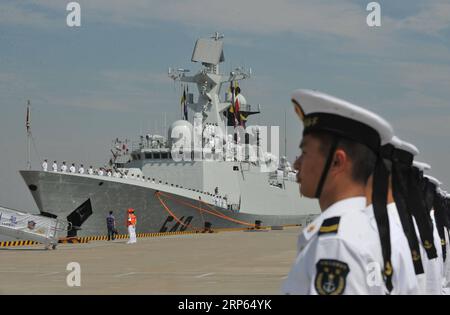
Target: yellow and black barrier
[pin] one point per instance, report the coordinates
(17, 243)
(87, 239)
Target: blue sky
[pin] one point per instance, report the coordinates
(108, 78)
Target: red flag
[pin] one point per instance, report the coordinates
(237, 114)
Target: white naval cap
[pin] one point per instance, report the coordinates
(322, 112)
(433, 180)
(404, 146)
(422, 166)
(399, 151)
(441, 192)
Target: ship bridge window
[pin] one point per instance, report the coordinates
(164, 155)
(157, 155)
(148, 155)
(136, 156)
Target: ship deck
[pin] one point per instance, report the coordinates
(229, 263)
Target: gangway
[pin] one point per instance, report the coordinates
(34, 227)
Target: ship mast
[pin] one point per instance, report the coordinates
(285, 134)
(28, 125)
(209, 51)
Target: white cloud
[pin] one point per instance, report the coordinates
(434, 18)
(345, 19)
(16, 14)
(341, 24)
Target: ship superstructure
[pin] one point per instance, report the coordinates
(212, 169)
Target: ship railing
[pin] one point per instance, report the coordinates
(276, 180)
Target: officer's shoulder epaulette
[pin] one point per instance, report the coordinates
(330, 226)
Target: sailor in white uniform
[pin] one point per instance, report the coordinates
(72, 168)
(437, 282)
(430, 282)
(90, 170)
(100, 172)
(442, 195)
(447, 262)
(340, 251)
(405, 252)
(44, 166)
(240, 97)
(64, 167)
(81, 169)
(54, 166)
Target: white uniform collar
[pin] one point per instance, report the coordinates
(392, 213)
(336, 209)
(343, 206)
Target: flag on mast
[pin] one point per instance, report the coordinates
(237, 105)
(183, 101)
(234, 108)
(185, 104)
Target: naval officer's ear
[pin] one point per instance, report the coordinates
(341, 163)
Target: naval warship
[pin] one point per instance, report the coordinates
(193, 192)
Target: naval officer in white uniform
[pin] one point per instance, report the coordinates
(447, 262)
(44, 166)
(437, 283)
(340, 251)
(431, 283)
(54, 166)
(426, 254)
(405, 257)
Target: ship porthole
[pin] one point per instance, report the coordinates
(32, 187)
(101, 183)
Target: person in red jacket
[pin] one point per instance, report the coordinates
(131, 225)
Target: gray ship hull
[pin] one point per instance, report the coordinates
(159, 208)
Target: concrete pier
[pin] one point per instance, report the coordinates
(219, 263)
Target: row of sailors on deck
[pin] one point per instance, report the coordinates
(217, 200)
(64, 168)
(101, 172)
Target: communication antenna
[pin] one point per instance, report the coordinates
(28, 125)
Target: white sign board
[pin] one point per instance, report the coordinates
(27, 226)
